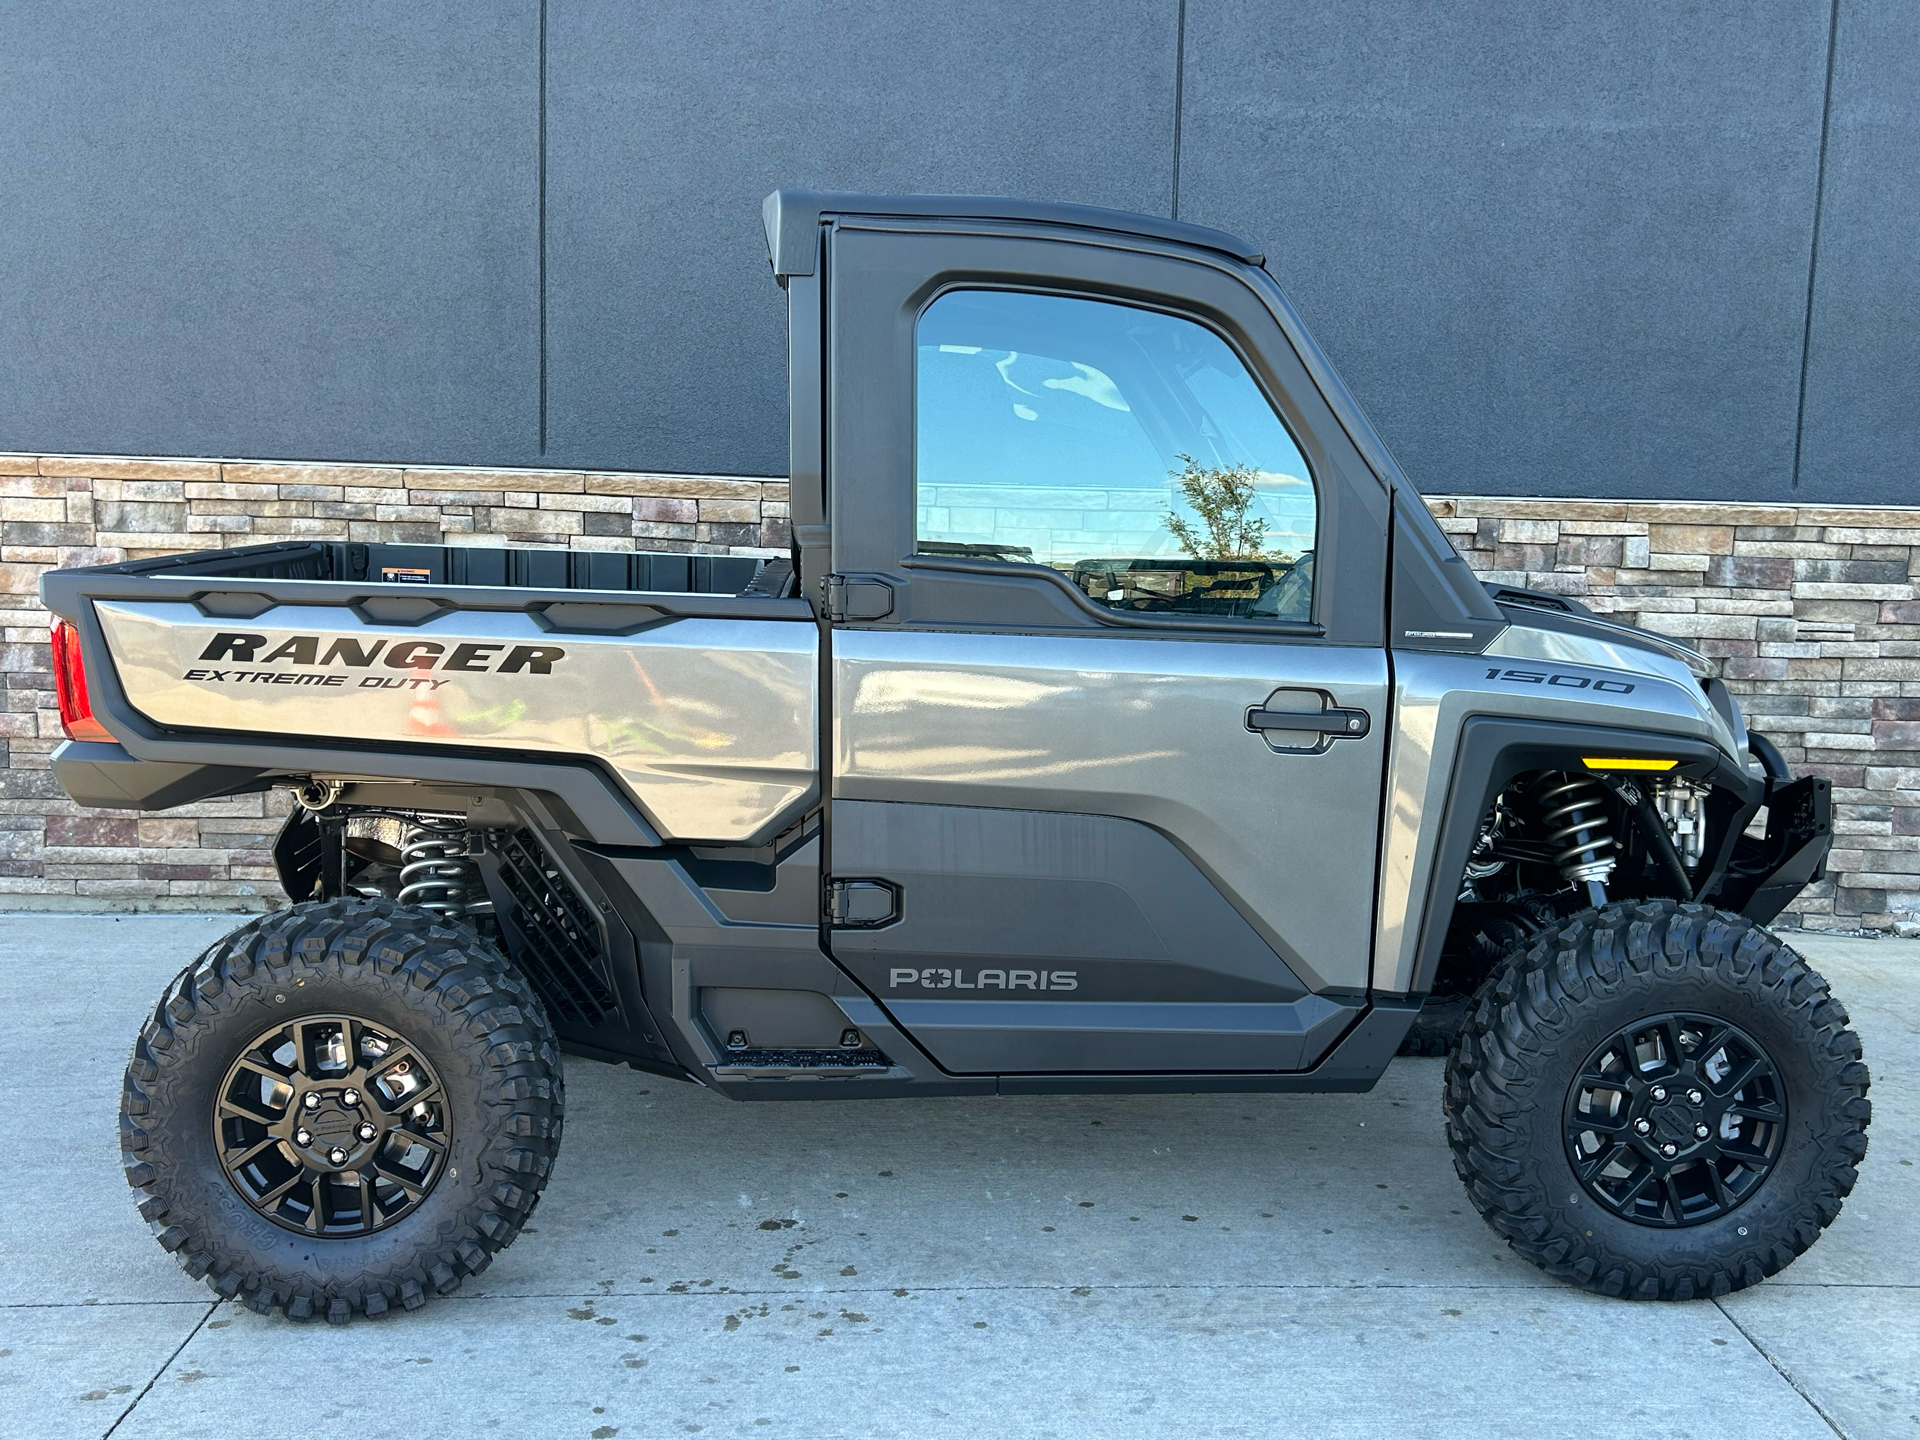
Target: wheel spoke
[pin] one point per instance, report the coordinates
(412, 1187)
(260, 1058)
(1722, 1196)
(432, 1142)
(1592, 1169)
(254, 1152)
(366, 1202)
(303, 1062)
(1743, 1075)
(261, 1067)
(356, 1032)
(1712, 1041)
(1600, 1124)
(231, 1106)
(1638, 1188)
(1670, 1197)
(275, 1079)
(314, 1219)
(277, 1193)
(1594, 1078)
(1746, 1153)
(1669, 1034)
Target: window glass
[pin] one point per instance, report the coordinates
(1128, 449)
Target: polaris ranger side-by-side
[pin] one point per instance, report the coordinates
(1120, 721)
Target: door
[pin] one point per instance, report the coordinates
(1108, 681)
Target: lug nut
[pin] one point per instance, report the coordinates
(1694, 1097)
(337, 1156)
(350, 1097)
(312, 1102)
(1659, 1092)
(1700, 1132)
(367, 1132)
(1669, 1150)
(1643, 1127)
(303, 1136)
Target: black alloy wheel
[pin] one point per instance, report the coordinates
(1675, 1119)
(330, 1125)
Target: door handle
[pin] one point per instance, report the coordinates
(1334, 723)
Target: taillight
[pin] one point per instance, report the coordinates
(70, 686)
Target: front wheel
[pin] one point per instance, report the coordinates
(1657, 1100)
(340, 1108)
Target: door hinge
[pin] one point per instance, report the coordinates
(858, 597)
(862, 904)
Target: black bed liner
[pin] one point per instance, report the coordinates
(660, 572)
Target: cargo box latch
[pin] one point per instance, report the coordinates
(862, 904)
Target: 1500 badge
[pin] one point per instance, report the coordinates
(1564, 681)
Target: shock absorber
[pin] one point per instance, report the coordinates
(436, 873)
(1573, 814)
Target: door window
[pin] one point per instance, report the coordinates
(1128, 449)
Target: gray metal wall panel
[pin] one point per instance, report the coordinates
(237, 229)
(1554, 250)
(668, 123)
(1861, 440)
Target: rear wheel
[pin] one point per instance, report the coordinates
(340, 1108)
(1657, 1100)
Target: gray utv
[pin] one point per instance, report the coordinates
(1120, 721)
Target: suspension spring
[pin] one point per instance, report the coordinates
(1574, 815)
(436, 873)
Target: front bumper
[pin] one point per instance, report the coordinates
(1766, 875)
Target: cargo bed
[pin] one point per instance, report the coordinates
(660, 571)
(659, 695)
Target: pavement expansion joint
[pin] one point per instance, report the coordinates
(1782, 1371)
(199, 1325)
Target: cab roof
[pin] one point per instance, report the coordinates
(792, 220)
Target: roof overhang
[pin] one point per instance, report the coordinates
(793, 218)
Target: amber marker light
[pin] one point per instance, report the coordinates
(1620, 762)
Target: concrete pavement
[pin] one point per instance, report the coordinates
(1188, 1266)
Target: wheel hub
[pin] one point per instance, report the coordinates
(330, 1125)
(334, 1129)
(1675, 1119)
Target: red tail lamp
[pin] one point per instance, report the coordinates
(70, 686)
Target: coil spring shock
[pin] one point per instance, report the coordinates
(1574, 815)
(435, 873)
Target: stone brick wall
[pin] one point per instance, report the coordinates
(58, 510)
(1812, 616)
(1811, 613)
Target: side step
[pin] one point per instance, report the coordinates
(768, 1063)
